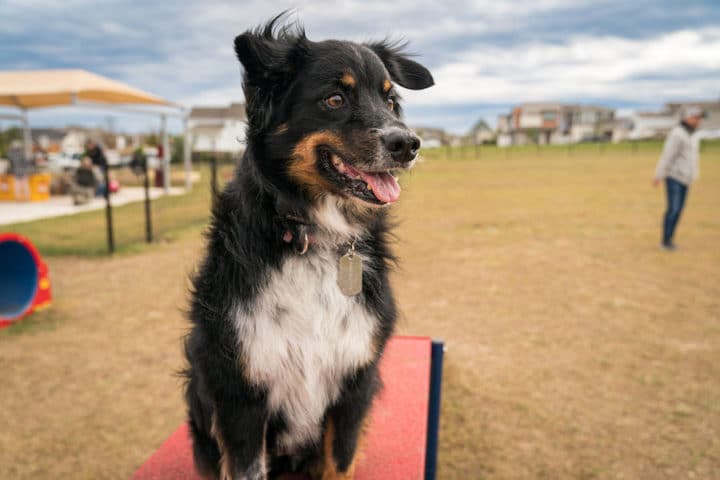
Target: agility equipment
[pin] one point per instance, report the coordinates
(402, 436)
(24, 281)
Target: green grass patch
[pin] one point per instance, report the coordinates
(85, 234)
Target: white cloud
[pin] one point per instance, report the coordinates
(679, 64)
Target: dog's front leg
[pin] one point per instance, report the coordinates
(239, 428)
(345, 425)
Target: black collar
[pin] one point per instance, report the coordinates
(296, 228)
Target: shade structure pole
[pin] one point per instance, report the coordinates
(27, 137)
(166, 155)
(187, 155)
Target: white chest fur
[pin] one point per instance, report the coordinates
(300, 338)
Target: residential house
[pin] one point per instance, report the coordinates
(543, 123)
(48, 139)
(642, 125)
(534, 122)
(432, 137)
(583, 123)
(218, 129)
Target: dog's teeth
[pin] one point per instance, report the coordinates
(369, 187)
(341, 167)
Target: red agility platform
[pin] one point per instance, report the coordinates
(398, 446)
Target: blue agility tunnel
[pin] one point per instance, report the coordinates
(24, 283)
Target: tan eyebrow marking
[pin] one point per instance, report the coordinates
(387, 85)
(348, 80)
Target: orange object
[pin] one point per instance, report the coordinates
(40, 187)
(7, 187)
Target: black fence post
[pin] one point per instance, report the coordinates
(108, 210)
(213, 175)
(148, 210)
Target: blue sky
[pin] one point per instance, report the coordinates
(485, 55)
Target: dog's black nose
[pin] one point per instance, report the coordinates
(402, 145)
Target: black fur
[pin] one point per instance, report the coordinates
(286, 79)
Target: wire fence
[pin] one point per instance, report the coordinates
(138, 215)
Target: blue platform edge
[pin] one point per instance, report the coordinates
(433, 425)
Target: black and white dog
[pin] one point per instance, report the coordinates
(291, 306)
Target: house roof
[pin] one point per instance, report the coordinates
(233, 111)
(663, 114)
(54, 134)
(705, 105)
(538, 106)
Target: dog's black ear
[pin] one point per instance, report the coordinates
(403, 71)
(271, 52)
(271, 56)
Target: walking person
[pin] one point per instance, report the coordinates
(100, 165)
(679, 167)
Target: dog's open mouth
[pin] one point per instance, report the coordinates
(378, 187)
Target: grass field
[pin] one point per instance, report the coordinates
(576, 347)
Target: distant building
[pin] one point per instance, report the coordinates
(432, 137)
(74, 140)
(644, 126)
(48, 139)
(581, 123)
(543, 123)
(218, 129)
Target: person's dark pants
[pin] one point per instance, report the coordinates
(676, 193)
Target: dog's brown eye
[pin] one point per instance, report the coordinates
(391, 103)
(335, 101)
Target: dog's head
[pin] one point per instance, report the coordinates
(324, 117)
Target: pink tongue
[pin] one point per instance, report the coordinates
(384, 186)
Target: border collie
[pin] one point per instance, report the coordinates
(291, 307)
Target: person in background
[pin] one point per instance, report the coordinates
(85, 182)
(679, 167)
(99, 162)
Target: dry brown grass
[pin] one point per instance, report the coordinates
(576, 347)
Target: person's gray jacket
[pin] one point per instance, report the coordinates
(679, 159)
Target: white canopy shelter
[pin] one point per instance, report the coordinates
(35, 89)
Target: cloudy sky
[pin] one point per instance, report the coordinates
(485, 55)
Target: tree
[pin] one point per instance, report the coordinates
(7, 137)
(152, 140)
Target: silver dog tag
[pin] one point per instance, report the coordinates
(350, 274)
